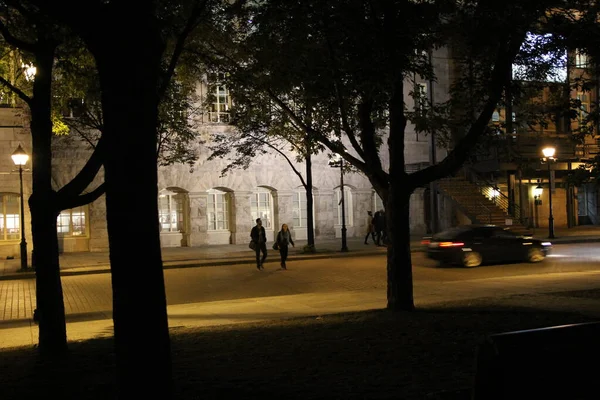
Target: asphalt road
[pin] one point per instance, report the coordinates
(92, 294)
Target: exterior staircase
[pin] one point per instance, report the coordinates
(481, 202)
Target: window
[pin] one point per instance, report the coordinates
(218, 210)
(581, 60)
(74, 108)
(495, 116)
(347, 206)
(219, 110)
(170, 212)
(420, 98)
(299, 214)
(11, 216)
(260, 207)
(584, 106)
(300, 210)
(72, 222)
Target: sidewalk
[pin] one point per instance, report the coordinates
(213, 255)
(200, 256)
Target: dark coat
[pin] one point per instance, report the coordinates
(254, 233)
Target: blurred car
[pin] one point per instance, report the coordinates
(473, 245)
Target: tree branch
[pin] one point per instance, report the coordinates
(267, 143)
(458, 155)
(191, 24)
(84, 177)
(14, 41)
(367, 135)
(336, 147)
(337, 84)
(82, 199)
(16, 90)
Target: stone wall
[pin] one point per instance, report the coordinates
(268, 171)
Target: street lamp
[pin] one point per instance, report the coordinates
(338, 161)
(537, 198)
(20, 158)
(29, 71)
(548, 158)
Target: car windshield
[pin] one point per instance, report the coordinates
(450, 234)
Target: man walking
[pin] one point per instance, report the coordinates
(258, 236)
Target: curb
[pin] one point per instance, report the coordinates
(178, 264)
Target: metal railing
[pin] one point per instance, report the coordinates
(473, 211)
(494, 194)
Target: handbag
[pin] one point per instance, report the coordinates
(252, 245)
(275, 246)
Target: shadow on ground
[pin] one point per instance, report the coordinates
(375, 354)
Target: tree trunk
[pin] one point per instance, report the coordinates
(310, 228)
(399, 263)
(397, 204)
(50, 311)
(130, 106)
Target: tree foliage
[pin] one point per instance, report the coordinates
(354, 63)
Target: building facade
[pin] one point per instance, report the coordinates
(198, 206)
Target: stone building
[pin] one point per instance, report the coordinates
(197, 206)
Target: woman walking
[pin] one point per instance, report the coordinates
(284, 238)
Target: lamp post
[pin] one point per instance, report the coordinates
(338, 161)
(549, 157)
(537, 197)
(20, 158)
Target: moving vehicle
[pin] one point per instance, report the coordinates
(472, 245)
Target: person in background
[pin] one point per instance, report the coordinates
(377, 227)
(258, 236)
(370, 228)
(284, 239)
(383, 223)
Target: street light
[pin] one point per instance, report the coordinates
(338, 161)
(20, 158)
(537, 198)
(548, 158)
(29, 71)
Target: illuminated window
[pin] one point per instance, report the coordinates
(170, 212)
(584, 106)
(347, 206)
(261, 207)
(218, 210)
(219, 110)
(72, 222)
(11, 216)
(300, 210)
(420, 97)
(581, 60)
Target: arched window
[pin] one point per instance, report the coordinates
(218, 210)
(347, 206)
(261, 206)
(10, 220)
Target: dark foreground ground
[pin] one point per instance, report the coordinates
(366, 355)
